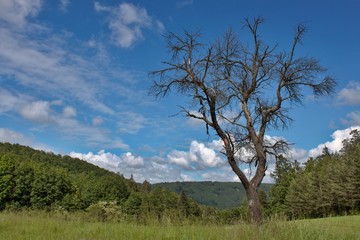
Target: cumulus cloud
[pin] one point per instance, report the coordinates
(180, 158)
(336, 144)
(349, 95)
(132, 161)
(127, 23)
(103, 159)
(198, 157)
(200, 163)
(37, 111)
(69, 112)
(298, 154)
(34, 110)
(154, 169)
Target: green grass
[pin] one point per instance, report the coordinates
(42, 226)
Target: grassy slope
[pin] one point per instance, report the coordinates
(20, 226)
(223, 195)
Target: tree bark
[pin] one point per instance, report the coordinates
(254, 204)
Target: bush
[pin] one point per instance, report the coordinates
(104, 211)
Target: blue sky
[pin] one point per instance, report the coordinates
(74, 80)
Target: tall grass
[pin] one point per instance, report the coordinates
(14, 226)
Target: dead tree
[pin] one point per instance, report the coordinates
(241, 90)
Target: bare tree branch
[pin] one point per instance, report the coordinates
(241, 90)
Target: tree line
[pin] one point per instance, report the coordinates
(328, 185)
(38, 180)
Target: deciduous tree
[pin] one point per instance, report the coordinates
(241, 90)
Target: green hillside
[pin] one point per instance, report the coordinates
(222, 195)
(41, 180)
(37, 180)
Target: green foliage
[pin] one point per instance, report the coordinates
(49, 188)
(7, 181)
(104, 211)
(37, 179)
(285, 171)
(328, 185)
(133, 204)
(29, 179)
(32, 179)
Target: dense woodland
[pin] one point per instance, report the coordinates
(328, 185)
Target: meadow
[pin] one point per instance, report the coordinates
(31, 226)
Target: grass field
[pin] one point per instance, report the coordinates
(41, 226)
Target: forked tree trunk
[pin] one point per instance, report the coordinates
(254, 205)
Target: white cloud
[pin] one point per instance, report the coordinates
(352, 119)
(7, 135)
(63, 122)
(198, 157)
(336, 144)
(38, 111)
(217, 145)
(153, 169)
(204, 156)
(111, 161)
(350, 95)
(7, 100)
(179, 158)
(194, 122)
(298, 154)
(64, 4)
(132, 161)
(97, 121)
(69, 112)
(50, 69)
(105, 160)
(183, 3)
(187, 178)
(15, 12)
(44, 66)
(30, 109)
(10, 136)
(131, 122)
(99, 8)
(127, 23)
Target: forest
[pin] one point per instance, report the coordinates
(328, 185)
(221, 195)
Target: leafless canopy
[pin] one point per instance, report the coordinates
(241, 89)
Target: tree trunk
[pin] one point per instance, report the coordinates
(254, 205)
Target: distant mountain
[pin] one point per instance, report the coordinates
(222, 195)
